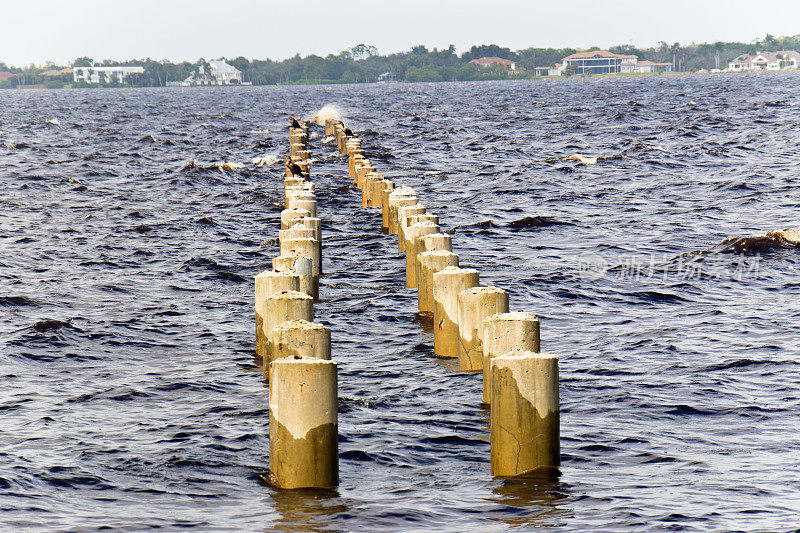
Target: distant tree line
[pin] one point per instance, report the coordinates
(362, 63)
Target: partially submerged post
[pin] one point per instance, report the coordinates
(525, 414)
(281, 307)
(403, 214)
(303, 424)
(435, 241)
(299, 265)
(290, 216)
(447, 283)
(474, 306)
(401, 197)
(428, 263)
(504, 333)
(305, 247)
(269, 283)
(413, 234)
(299, 338)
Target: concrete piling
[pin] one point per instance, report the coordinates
(269, 283)
(525, 413)
(303, 423)
(413, 234)
(447, 283)
(299, 338)
(504, 333)
(435, 241)
(300, 266)
(281, 307)
(403, 214)
(308, 248)
(397, 198)
(428, 263)
(474, 306)
(290, 216)
(377, 192)
(302, 203)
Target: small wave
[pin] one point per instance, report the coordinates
(266, 159)
(17, 301)
(328, 112)
(787, 238)
(534, 222)
(194, 165)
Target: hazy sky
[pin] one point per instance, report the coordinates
(61, 30)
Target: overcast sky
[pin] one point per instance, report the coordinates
(61, 30)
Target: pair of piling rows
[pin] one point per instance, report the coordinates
(470, 322)
(295, 351)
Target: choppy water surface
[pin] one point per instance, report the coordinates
(129, 395)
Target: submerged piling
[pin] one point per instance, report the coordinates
(267, 284)
(428, 263)
(504, 333)
(525, 413)
(282, 307)
(447, 283)
(303, 423)
(474, 306)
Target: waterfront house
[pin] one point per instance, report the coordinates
(783, 60)
(489, 61)
(104, 74)
(225, 74)
(4, 75)
(605, 62)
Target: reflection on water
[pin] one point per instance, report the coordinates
(536, 500)
(308, 510)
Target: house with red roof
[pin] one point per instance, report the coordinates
(489, 61)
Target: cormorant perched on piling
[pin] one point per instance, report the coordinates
(349, 133)
(293, 123)
(293, 168)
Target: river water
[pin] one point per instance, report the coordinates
(127, 255)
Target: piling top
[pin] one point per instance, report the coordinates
(452, 270)
(436, 253)
(484, 291)
(300, 325)
(425, 224)
(403, 191)
(536, 376)
(436, 236)
(518, 316)
(273, 274)
(290, 295)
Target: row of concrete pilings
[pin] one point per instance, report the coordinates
(470, 322)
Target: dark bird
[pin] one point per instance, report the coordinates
(293, 122)
(349, 133)
(293, 168)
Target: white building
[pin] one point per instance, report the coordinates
(225, 74)
(103, 74)
(783, 60)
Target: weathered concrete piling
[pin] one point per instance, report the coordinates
(267, 284)
(289, 217)
(447, 283)
(525, 413)
(282, 307)
(303, 423)
(308, 248)
(403, 215)
(474, 306)
(413, 234)
(429, 263)
(402, 197)
(299, 338)
(504, 333)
